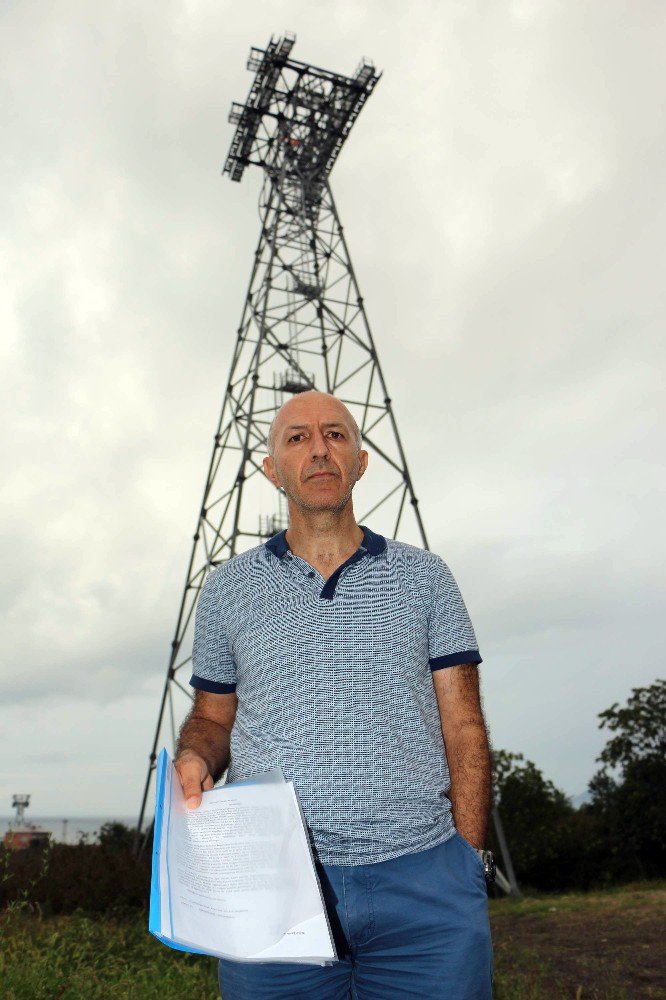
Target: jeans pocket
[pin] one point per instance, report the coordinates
(473, 851)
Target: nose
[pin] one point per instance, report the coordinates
(319, 445)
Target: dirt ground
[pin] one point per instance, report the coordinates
(604, 946)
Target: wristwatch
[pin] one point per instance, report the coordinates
(488, 860)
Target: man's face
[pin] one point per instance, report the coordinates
(315, 461)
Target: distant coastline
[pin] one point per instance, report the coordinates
(75, 828)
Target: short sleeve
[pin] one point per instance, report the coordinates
(213, 665)
(451, 638)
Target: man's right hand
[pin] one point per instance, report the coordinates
(194, 777)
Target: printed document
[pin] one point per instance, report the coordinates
(236, 878)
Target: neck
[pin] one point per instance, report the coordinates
(325, 536)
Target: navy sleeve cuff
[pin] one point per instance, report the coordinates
(454, 659)
(213, 687)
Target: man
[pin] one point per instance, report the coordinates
(349, 660)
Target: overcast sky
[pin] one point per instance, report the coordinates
(503, 197)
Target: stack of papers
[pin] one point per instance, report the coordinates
(235, 878)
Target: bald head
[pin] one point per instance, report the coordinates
(300, 405)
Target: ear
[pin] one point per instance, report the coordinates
(269, 471)
(362, 463)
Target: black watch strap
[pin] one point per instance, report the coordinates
(488, 860)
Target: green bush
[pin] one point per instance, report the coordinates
(89, 878)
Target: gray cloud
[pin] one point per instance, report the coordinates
(503, 198)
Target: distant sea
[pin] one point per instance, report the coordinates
(70, 830)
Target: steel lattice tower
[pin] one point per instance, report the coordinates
(303, 326)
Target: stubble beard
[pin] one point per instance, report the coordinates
(332, 506)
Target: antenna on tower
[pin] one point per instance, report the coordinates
(20, 803)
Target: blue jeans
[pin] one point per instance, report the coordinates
(412, 928)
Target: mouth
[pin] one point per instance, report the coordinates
(321, 475)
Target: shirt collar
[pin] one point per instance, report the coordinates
(372, 543)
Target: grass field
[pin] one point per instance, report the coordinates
(592, 946)
(603, 946)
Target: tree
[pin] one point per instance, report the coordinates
(540, 823)
(640, 727)
(520, 782)
(629, 790)
(116, 835)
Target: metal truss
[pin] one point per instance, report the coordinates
(303, 326)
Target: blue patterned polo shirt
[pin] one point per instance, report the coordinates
(334, 686)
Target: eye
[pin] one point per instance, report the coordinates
(336, 434)
(294, 437)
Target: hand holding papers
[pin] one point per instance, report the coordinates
(235, 878)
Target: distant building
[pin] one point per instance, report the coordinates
(21, 832)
